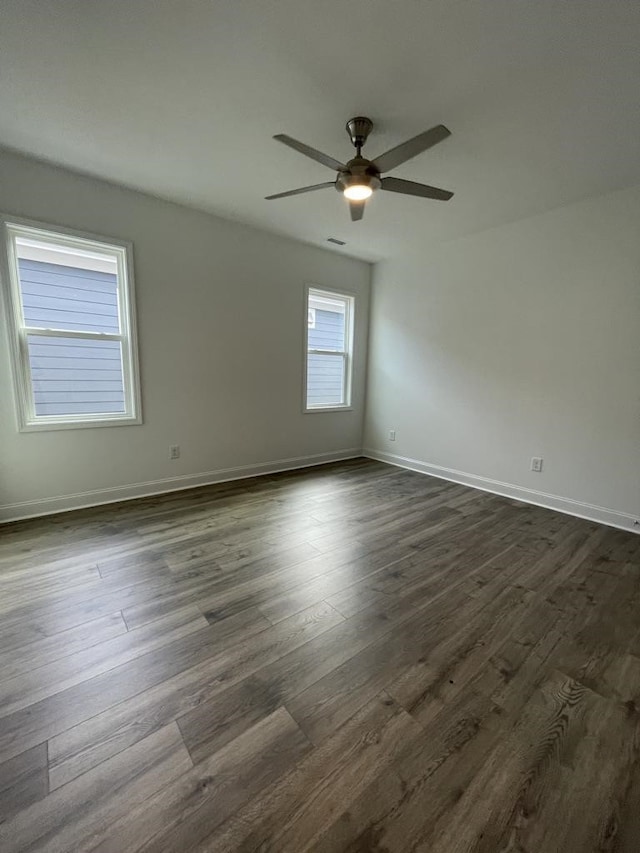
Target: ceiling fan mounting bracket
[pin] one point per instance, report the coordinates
(359, 129)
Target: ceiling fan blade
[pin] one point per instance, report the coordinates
(411, 148)
(308, 151)
(398, 185)
(301, 190)
(356, 208)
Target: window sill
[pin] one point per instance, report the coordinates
(48, 426)
(321, 409)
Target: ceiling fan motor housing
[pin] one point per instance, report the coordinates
(361, 172)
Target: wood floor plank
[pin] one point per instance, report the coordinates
(422, 782)
(346, 659)
(56, 713)
(45, 585)
(64, 611)
(335, 697)
(233, 657)
(179, 817)
(23, 781)
(43, 651)
(37, 684)
(625, 831)
(518, 778)
(210, 724)
(330, 777)
(81, 814)
(570, 815)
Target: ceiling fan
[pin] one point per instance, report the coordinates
(359, 178)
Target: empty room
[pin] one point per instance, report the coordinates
(320, 426)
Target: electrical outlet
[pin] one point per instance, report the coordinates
(174, 451)
(392, 435)
(536, 464)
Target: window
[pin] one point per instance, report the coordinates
(72, 328)
(329, 350)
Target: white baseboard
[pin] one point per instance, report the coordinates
(601, 514)
(97, 497)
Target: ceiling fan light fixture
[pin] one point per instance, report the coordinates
(358, 192)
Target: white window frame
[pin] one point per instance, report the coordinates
(13, 227)
(347, 353)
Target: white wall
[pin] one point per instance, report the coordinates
(516, 342)
(220, 313)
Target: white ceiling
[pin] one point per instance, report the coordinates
(180, 98)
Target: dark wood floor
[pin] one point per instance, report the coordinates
(352, 658)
